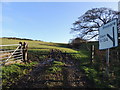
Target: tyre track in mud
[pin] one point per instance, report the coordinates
(70, 76)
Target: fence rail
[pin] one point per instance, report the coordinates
(17, 54)
(9, 45)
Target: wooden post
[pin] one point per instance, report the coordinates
(20, 47)
(107, 61)
(107, 56)
(118, 55)
(92, 53)
(24, 51)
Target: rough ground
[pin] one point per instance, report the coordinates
(70, 76)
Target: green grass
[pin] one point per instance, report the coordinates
(39, 50)
(37, 45)
(55, 67)
(96, 71)
(58, 63)
(33, 44)
(12, 73)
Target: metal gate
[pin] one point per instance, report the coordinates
(10, 53)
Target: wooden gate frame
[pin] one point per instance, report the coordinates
(24, 47)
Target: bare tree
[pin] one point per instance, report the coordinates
(88, 24)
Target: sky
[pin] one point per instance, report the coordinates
(46, 21)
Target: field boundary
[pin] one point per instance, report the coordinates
(10, 56)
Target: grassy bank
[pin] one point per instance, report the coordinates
(37, 51)
(96, 71)
(12, 73)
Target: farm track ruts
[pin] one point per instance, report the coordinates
(69, 77)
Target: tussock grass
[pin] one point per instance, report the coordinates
(12, 73)
(55, 67)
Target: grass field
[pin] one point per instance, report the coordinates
(35, 49)
(12, 73)
(38, 45)
(93, 71)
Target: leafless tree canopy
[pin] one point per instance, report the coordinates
(88, 24)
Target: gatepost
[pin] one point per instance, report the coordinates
(24, 52)
(92, 53)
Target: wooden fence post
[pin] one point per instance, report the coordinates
(20, 45)
(24, 51)
(118, 55)
(92, 53)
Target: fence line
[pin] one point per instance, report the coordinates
(9, 45)
(12, 53)
(9, 51)
(18, 54)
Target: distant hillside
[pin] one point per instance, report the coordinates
(36, 44)
(20, 38)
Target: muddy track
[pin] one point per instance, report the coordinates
(69, 77)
